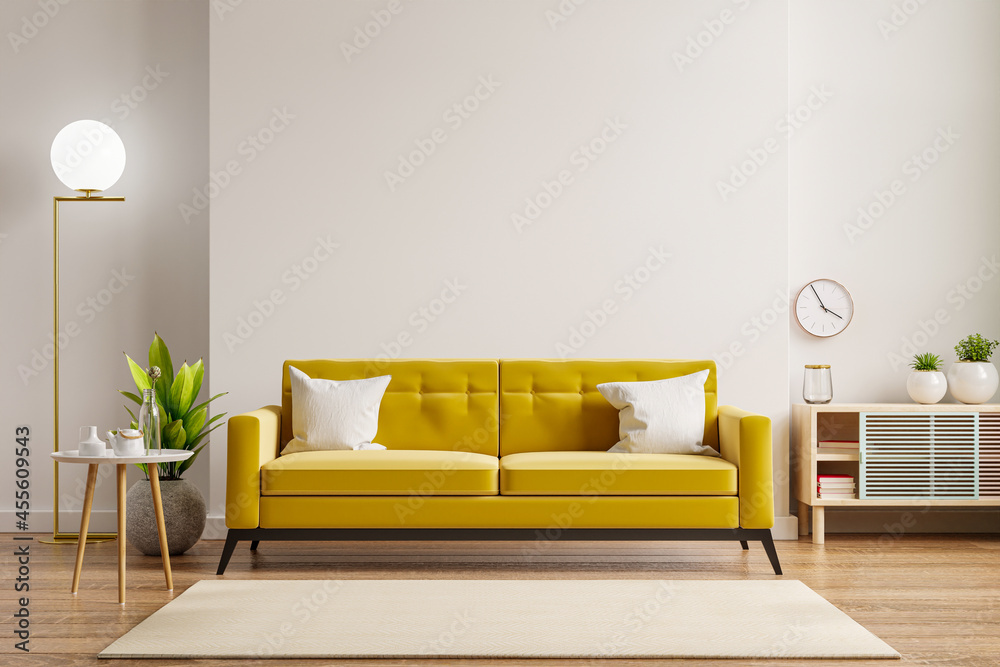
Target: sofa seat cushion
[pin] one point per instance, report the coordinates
(612, 474)
(393, 472)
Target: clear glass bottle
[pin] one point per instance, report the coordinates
(149, 422)
(817, 384)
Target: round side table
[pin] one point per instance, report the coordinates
(152, 461)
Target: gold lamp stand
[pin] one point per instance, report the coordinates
(59, 537)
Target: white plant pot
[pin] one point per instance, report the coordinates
(973, 382)
(926, 387)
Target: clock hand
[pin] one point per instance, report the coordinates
(832, 313)
(817, 298)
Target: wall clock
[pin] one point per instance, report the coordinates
(823, 308)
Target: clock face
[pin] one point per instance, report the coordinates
(824, 308)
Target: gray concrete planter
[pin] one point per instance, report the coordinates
(184, 514)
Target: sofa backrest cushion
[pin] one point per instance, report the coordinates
(549, 405)
(429, 404)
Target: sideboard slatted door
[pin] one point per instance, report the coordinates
(989, 455)
(919, 455)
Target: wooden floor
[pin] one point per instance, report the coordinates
(935, 599)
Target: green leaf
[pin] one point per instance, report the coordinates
(201, 405)
(132, 397)
(173, 435)
(181, 396)
(159, 355)
(216, 418)
(193, 421)
(135, 420)
(138, 375)
(184, 465)
(202, 436)
(198, 371)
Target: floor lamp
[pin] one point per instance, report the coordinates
(88, 157)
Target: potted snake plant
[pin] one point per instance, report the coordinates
(183, 425)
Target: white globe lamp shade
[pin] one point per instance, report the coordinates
(88, 156)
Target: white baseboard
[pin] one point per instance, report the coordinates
(215, 528)
(785, 528)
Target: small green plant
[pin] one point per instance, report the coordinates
(975, 348)
(926, 362)
(182, 425)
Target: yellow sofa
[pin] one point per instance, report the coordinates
(514, 449)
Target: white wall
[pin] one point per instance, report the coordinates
(79, 64)
(718, 295)
(323, 176)
(926, 272)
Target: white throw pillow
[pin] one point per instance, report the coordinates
(660, 417)
(332, 414)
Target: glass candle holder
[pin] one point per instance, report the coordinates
(817, 384)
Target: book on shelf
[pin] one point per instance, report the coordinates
(835, 486)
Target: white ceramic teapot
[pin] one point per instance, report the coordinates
(128, 442)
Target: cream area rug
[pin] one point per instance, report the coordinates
(499, 619)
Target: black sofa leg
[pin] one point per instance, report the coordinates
(227, 551)
(772, 555)
(743, 543)
(253, 545)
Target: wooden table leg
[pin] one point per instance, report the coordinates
(161, 527)
(803, 518)
(88, 502)
(819, 525)
(121, 533)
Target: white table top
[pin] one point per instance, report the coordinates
(163, 456)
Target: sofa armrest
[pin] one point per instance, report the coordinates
(745, 441)
(253, 441)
